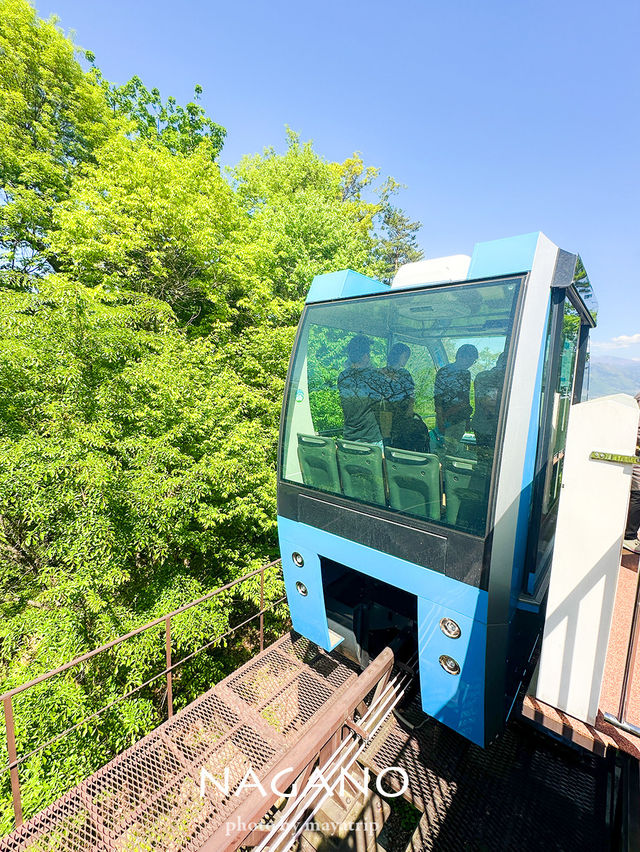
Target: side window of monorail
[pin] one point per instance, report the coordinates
(561, 405)
(394, 399)
(560, 402)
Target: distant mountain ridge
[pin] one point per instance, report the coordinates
(613, 375)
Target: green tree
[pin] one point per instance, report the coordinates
(136, 473)
(306, 216)
(399, 244)
(399, 235)
(180, 129)
(53, 117)
(56, 118)
(147, 219)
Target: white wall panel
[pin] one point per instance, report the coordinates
(586, 559)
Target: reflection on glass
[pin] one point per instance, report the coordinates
(583, 285)
(561, 405)
(452, 397)
(394, 399)
(488, 387)
(361, 390)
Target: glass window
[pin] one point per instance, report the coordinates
(394, 400)
(560, 407)
(561, 404)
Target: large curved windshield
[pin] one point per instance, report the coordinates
(394, 399)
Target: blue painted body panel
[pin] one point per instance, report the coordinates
(341, 285)
(457, 702)
(503, 257)
(444, 696)
(307, 540)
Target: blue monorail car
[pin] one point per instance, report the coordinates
(420, 465)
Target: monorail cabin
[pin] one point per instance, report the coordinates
(421, 454)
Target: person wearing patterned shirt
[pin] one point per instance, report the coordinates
(451, 396)
(360, 387)
(487, 397)
(401, 427)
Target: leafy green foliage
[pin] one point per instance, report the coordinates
(136, 473)
(309, 216)
(145, 219)
(148, 306)
(180, 129)
(298, 223)
(400, 244)
(53, 117)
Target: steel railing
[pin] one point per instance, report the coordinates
(334, 740)
(16, 760)
(620, 721)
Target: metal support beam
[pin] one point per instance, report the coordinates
(13, 759)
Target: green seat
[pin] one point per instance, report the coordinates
(414, 482)
(318, 463)
(361, 472)
(457, 475)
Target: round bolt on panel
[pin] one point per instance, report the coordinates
(297, 558)
(450, 628)
(450, 665)
(302, 589)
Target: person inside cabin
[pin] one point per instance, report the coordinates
(631, 542)
(451, 397)
(487, 397)
(401, 427)
(360, 387)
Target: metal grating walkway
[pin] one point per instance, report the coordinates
(148, 798)
(524, 792)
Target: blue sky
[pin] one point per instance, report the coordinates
(500, 117)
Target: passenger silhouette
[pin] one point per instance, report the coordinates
(360, 387)
(401, 427)
(488, 387)
(451, 394)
